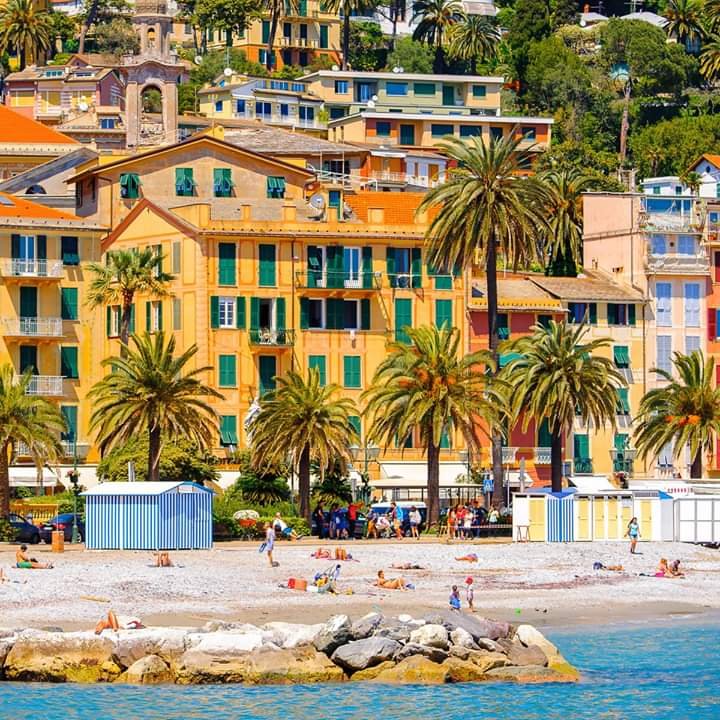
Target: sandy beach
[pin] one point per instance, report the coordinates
(547, 585)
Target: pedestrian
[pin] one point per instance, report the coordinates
(269, 544)
(454, 599)
(352, 514)
(319, 518)
(633, 532)
(333, 521)
(372, 518)
(415, 520)
(451, 523)
(470, 593)
(468, 523)
(396, 518)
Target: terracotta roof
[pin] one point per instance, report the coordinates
(514, 294)
(22, 130)
(710, 157)
(12, 206)
(588, 287)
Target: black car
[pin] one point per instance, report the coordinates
(360, 524)
(25, 532)
(62, 522)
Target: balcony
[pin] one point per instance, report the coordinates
(583, 466)
(269, 338)
(541, 455)
(69, 449)
(285, 120)
(386, 177)
(678, 264)
(47, 385)
(19, 268)
(509, 455)
(623, 460)
(33, 327)
(338, 280)
(298, 42)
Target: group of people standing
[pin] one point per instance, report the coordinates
(463, 522)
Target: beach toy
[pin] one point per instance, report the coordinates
(518, 611)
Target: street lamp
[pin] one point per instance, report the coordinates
(74, 477)
(366, 454)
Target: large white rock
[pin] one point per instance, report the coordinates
(460, 636)
(291, 635)
(6, 642)
(528, 636)
(226, 644)
(132, 645)
(431, 635)
(336, 632)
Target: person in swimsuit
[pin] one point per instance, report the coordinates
(406, 566)
(389, 583)
(470, 557)
(270, 543)
(454, 599)
(23, 562)
(118, 622)
(663, 569)
(633, 532)
(470, 593)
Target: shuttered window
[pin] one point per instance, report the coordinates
(69, 250)
(664, 352)
(663, 298)
(403, 319)
(228, 430)
(319, 363)
(227, 264)
(129, 186)
(443, 314)
(222, 182)
(184, 182)
(275, 187)
(621, 356)
(227, 371)
(267, 368)
(268, 277)
(70, 413)
(69, 303)
(69, 362)
(351, 371)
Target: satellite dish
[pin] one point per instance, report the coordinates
(317, 200)
(83, 106)
(227, 72)
(371, 103)
(374, 98)
(401, 69)
(335, 68)
(396, 69)
(198, 59)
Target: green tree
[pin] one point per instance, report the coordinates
(367, 46)
(152, 390)
(531, 23)
(684, 20)
(556, 376)
(435, 18)
(475, 39)
(710, 59)
(233, 17)
(303, 420)
(277, 9)
(333, 485)
(684, 412)
(348, 8)
(563, 12)
(97, 13)
(430, 387)
(24, 30)
(261, 487)
(486, 207)
(564, 229)
(64, 27)
(28, 419)
(125, 274)
(118, 37)
(213, 63)
(180, 459)
(412, 56)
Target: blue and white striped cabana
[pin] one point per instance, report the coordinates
(148, 516)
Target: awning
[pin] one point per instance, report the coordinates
(414, 474)
(621, 356)
(592, 484)
(27, 476)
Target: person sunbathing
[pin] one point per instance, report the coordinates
(321, 554)
(470, 557)
(674, 569)
(612, 568)
(24, 562)
(389, 583)
(663, 569)
(115, 622)
(163, 560)
(406, 566)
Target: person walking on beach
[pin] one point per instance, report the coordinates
(415, 519)
(269, 544)
(352, 515)
(633, 532)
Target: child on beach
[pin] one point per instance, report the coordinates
(633, 532)
(454, 599)
(415, 520)
(470, 593)
(269, 544)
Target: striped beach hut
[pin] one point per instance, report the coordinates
(540, 515)
(148, 516)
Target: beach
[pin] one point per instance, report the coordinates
(543, 584)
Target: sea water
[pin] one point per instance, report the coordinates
(660, 671)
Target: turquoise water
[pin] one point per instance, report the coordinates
(667, 671)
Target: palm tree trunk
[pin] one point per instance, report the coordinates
(125, 322)
(4, 480)
(439, 62)
(154, 454)
(346, 38)
(433, 484)
(556, 458)
(89, 20)
(274, 19)
(696, 467)
(304, 484)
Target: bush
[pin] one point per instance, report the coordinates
(7, 531)
(65, 501)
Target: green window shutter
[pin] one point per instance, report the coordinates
(69, 303)
(222, 182)
(593, 313)
(130, 186)
(28, 302)
(184, 182)
(621, 356)
(631, 314)
(390, 266)
(403, 318)
(158, 253)
(227, 370)
(268, 370)
(214, 311)
(267, 265)
(226, 255)
(254, 313)
(323, 36)
(335, 276)
(228, 430)
(315, 268)
(265, 31)
(304, 313)
(108, 320)
(15, 246)
(443, 281)
(160, 315)
(69, 250)
(240, 320)
(443, 314)
(623, 401)
(544, 436)
(319, 363)
(365, 316)
(503, 326)
(354, 420)
(42, 247)
(69, 362)
(176, 253)
(367, 268)
(351, 371)
(582, 447)
(70, 413)
(132, 319)
(416, 268)
(148, 316)
(177, 314)
(444, 440)
(280, 314)
(620, 442)
(612, 315)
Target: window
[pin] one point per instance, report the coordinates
(664, 353)
(337, 112)
(421, 88)
(228, 430)
(440, 130)
(218, 105)
(404, 267)
(692, 343)
(153, 316)
(69, 250)
(663, 296)
(70, 413)
(334, 314)
(177, 313)
(544, 320)
(351, 371)
(222, 182)
(303, 58)
(316, 314)
(226, 264)
(267, 276)
(129, 186)
(114, 313)
(263, 57)
(621, 356)
(503, 326)
(107, 123)
(69, 303)
(350, 315)
(287, 30)
(578, 312)
(443, 314)
(403, 319)
(306, 113)
(382, 128)
(620, 314)
(354, 420)
(284, 110)
(479, 91)
(623, 402)
(226, 312)
(265, 31)
(395, 89)
(267, 367)
(240, 107)
(658, 245)
(176, 255)
(528, 133)
(692, 305)
(470, 131)
(581, 454)
(342, 87)
(324, 43)
(184, 182)
(275, 187)
(686, 245)
(69, 362)
(319, 363)
(227, 371)
(496, 133)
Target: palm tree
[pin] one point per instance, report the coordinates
(692, 180)
(29, 419)
(556, 376)
(304, 420)
(564, 230)
(475, 39)
(486, 207)
(435, 19)
(710, 59)
(24, 29)
(430, 386)
(685, 412)
(126, 273)
(684, 20)
(348, 8)
(277, 9)
(151, 390)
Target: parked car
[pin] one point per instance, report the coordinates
(25, 531)
(384, 508)
(62, 522)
